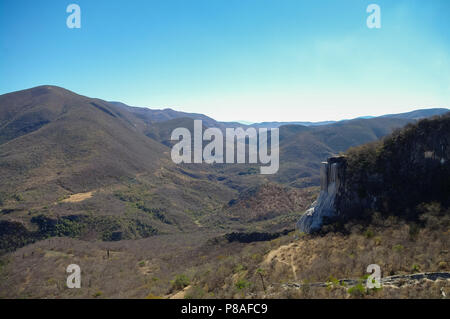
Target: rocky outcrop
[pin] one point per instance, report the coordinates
(397, 280)
(332, 176)
(393, 177)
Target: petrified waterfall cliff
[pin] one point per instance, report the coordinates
(331, 182)
(393, 176)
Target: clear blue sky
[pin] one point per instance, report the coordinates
(253, 60)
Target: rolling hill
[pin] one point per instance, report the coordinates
(81, 167)
(54, 139)
(92, 182)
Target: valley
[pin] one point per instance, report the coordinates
(90, 182)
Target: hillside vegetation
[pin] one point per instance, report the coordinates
(91, 182)
(393, 176)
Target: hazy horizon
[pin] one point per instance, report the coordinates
(247, 122)
(255, 61)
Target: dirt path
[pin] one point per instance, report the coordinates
(180, 294)
(280, 253)
(75, 198)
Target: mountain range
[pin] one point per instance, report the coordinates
(162, 115)
(99, 175)
(54, 141)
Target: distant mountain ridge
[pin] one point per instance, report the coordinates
(52, 131)
(31, 113)
(419, 114)
(413, 115)
(161, 115)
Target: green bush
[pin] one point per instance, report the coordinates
(357, 291)
(180, 282)
(333, 282)
(242, 284)
(18, 197)
(368, 233)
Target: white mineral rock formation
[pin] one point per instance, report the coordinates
(324, 206)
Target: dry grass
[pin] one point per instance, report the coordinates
(218, 269)
(398, 247)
